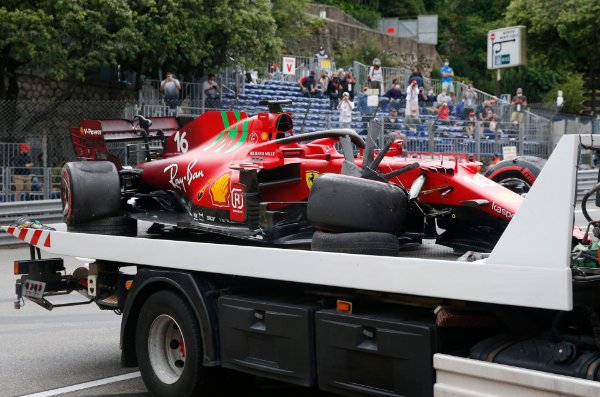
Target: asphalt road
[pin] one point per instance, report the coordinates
(44, 352)
(69, 350)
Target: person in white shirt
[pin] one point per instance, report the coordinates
(375, 75)
(345, 107)
(170, 89)
(412, 99)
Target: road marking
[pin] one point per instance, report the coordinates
(86, 385)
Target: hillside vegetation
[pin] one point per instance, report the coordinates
(562, 36)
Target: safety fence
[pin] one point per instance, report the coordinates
(28, 184)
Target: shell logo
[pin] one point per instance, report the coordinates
(81, 130)
(219, 191)
(264, 136)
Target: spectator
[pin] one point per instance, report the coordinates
(391, 127)
(323, 83)
(212, 92)
(469, 99)
(308, 85)
(450, 103)
(321, 54)
(422, 97)
(447, 75)
(431, 98)
(391, 121)
(470, 126)
(412, 99)
(496, 159)
(441, 97)
(375, 75)
(519, 104)
(22, 164)
(416, 75)
(349, 84)
(333, 92)
(482, 109)
(345, 107)
(412, 119)
(170, 88)
(443, 111)
(395, 96)
(493, 126)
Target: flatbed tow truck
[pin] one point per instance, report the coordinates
(519, 322)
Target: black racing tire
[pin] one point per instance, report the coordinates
(518, 174)
(89, 190)
(360, 243)
(112, 225)
(174, 368)
(349, 204)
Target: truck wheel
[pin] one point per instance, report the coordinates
(517, 174)
(169, 347)
(361, 243)
(111, 225)
(349, 204)
(89, 190)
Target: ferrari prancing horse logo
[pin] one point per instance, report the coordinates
(310, 178)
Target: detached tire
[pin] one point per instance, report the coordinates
(349, 204)
(112, 226)
(169, 348)
(89, 190)
(360, 243)
(517, 174)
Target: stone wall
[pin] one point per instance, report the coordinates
(341, 29)
(32, 87)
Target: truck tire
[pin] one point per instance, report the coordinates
(344, 203)
(169, 348)
(361, 243)
(517, 174)
(89, 190)
(111, 225)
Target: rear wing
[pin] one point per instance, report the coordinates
(89, 139)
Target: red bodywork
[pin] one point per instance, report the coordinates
(204, 159)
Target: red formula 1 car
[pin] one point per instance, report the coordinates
(251, 178)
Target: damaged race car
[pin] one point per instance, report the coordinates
(252, 178)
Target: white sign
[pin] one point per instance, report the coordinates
(289, 65)
(506, 48)
(509, 152)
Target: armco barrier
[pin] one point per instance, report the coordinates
(46, 211)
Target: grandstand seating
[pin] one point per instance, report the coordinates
(313, 114)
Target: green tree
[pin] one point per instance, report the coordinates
(567, 31)
(572, 88)
(26, 35)
(65, 37)
(195, 36)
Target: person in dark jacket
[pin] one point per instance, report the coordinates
(22, 164)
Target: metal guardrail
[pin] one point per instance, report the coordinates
(46, 211)
(586, 179)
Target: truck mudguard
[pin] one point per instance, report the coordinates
(193, 288)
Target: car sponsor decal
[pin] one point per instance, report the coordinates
(220, 191)
(310, 178)
(238, 207)
(89, 131)
(262, 154)
(181, 181)
(231, 138)
(502, 211)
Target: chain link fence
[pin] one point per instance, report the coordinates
(44, 125)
